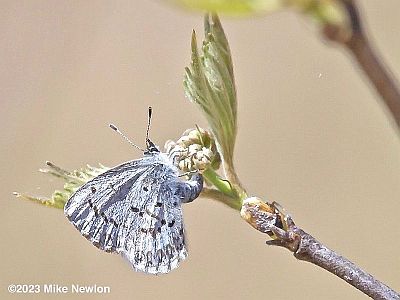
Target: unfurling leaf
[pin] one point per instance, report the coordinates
(209, 82)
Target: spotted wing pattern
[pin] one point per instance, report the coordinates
(135, 209)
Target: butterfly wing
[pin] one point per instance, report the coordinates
(99, 208)
(156, 244)
(135, 209)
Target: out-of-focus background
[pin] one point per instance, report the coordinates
(312, 136)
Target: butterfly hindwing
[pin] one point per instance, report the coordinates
(158, 243)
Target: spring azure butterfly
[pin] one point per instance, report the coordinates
(135, 209)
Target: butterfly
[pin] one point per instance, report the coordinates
(134, 209)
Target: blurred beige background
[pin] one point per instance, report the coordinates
(312, 136)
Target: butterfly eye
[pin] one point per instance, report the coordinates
(145, 188)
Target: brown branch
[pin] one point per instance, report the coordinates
(270, 219)
(357, 42)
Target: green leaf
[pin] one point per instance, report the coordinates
(209, 82)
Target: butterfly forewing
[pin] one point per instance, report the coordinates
(99, 206)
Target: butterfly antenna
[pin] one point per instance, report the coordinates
(148, 123)
(113, 127)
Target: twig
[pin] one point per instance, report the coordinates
(215, 194)
(356, 41)
(269, 219)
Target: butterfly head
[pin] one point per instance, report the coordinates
(151, 148)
